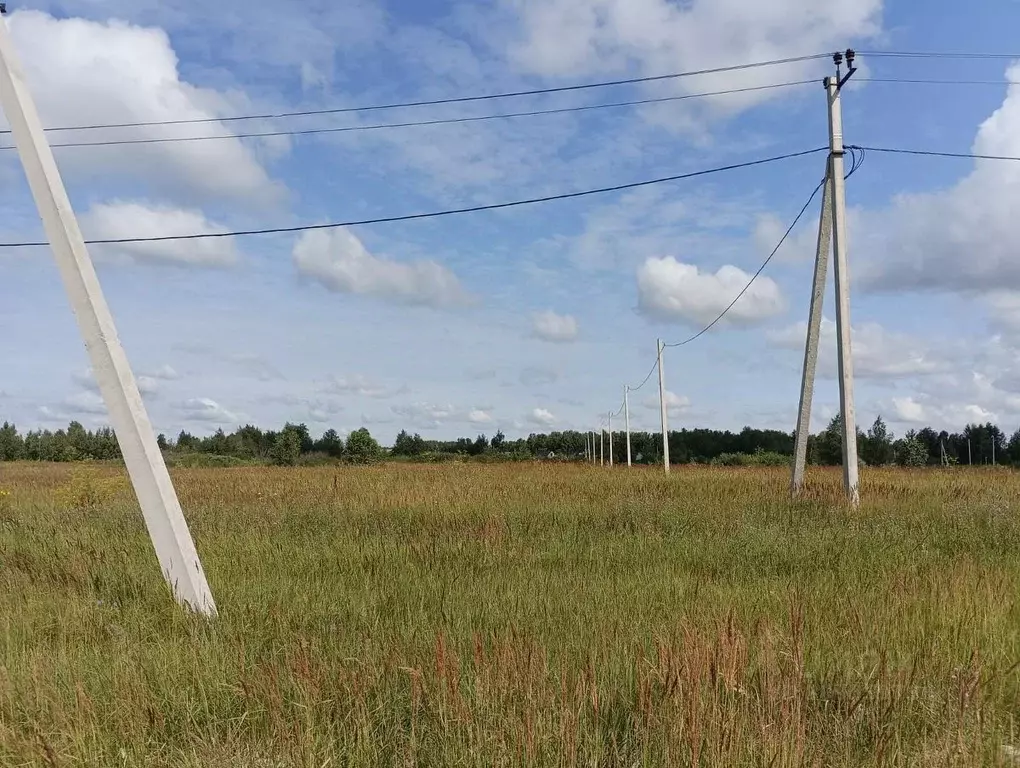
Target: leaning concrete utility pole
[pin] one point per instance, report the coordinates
(626, 412)
(842, 280)
(156, 496)
(659, 346)
(807, 383)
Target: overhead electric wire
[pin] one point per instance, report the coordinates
(531, 92)
(755, 276)
(453, 99)
(635, 389)
(925, 81)
(434, 214)
(420, 123)
(932, 153)
(857, 155)
(937, 55)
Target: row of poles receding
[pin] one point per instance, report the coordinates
(625, 409)
(832, 236)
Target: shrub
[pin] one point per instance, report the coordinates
(760, 458)
(204, 460)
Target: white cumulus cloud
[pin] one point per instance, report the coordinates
(165, 372)
(339, 261)
(85, 72)
(930, 411)
(115, 220)
(550, 326)
(478, 416)
(147, 385)
(907, 409)
(671, 290)
(575, 38)
(961, 239)
(541, 417)
(207, 410)
(675, 404)
(877, 352)
(360, 385)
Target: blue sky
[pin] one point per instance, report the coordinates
(533, 318)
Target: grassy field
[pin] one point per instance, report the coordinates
(514, 615)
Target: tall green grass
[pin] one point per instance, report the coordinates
(518, 615)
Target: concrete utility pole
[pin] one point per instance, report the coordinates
(610, 438)
(807, 382)
(659, 347)
(626, 411)
(842, 280)
(602, 446)
(153, 487)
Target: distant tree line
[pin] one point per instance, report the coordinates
(294, 444)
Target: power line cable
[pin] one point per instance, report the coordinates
(930, 153)
(754, 277)
(435, 214)
(937, 55)
(635, 389)
(925, 81)
(451, 100)
(420, 123)
(857, 155)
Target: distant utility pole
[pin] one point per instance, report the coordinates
(659, 347)
(993, 449)
(626, 411)
(834, 201)
(160, 506)
(610, 438)
(970, 456)
(602, 446)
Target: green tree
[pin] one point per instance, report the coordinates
(402, 445)
(104, 444)
(829, 445)
(12, 446)
(498, 441)
(287, 447)
(331, 444)
(911, 452)
(79, 441)
(362, 448)
(186, 442)
(877, 445)
(480, 445)
(1012, 449)
(33, 446)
